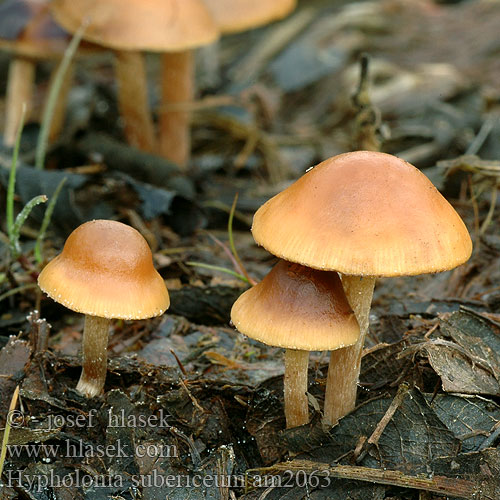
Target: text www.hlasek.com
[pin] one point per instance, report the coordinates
(79, 449)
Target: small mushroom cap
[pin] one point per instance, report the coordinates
(233, 16)
(106, 269)
(28, 29)
(367, 214)
(297, 307)
(156, 25)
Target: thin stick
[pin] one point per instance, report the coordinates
(5, 440)
(453, 487)
(395, 404)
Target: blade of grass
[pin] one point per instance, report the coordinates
(46, 221)
(55, 88)
(15, 248)
(232, 245)
(219, 268)
(12, 176)
(6, 432)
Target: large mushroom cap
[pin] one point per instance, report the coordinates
(364, 213)
(28, 29)
(156, 25)
(296, 307)
(233, 16)
(106, 269)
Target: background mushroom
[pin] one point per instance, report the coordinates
(28, 31)
(233, 16)
(174, 26)
(363, 214)
(301, 310)
(105, 271)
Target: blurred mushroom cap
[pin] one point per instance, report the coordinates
(233, 16)
(150, 25)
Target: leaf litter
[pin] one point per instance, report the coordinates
(427, 420)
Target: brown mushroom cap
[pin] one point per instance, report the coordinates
(296, 307)
(156, 25)
(28, 29)
(106, 269)
(233, 16)
(364, 213)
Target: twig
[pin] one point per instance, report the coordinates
(495, 434)
(482, 135)
(179, 363)
(395, 404)
(491, 211)
(5, 440)
(367, 121)
(453, 487)
(270, 45)
(193, 399)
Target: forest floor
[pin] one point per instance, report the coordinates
(427, 420)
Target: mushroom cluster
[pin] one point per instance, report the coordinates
(105, 271)
(300, 309)
(173, 28)
(364, 215)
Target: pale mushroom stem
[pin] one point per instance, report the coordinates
(95, 356)
(19, 92)
(133, 100)
(345, 364)
(295, 387)
(177, 92)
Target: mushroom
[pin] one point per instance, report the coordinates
(300, 309)
(233, 16)
(364, 214)
(105, 271)
(29, 32)
(173, 26)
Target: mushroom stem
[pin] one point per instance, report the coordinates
(59, 114)
(95, 356)
(345, 364)
(295, 387)
(177, 91)
(19, 92)
(133, 100)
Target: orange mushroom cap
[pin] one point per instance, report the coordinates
(106, 269)
(233, 16)
(364, 213)
(297, 307)
(156, 25)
